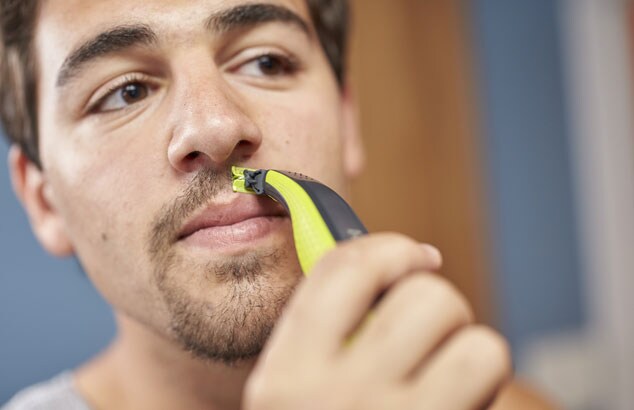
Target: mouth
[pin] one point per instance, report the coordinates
(239, 223)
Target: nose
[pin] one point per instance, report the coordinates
(210, 128)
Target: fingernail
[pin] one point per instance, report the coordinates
(433, 253)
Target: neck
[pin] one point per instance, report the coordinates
(143, 370)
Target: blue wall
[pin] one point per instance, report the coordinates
(517, 47)
(51, 318)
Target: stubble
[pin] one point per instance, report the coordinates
(236, 323)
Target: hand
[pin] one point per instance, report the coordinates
(419, 350)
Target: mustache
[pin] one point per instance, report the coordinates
(204, 187)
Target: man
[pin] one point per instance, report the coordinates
(125, 118)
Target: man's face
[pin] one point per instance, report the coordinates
(142, 108)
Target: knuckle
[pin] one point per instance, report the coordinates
(413, 286)
(447, 295)
(488, 349)
(440, 287)
(422, 293)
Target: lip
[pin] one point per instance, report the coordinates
(241, 221)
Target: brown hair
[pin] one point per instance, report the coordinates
(17, 74)
(17, 67)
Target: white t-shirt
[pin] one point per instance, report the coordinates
(58, 393)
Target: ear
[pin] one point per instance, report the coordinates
(353, 153)
(33, 191)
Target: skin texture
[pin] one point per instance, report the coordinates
(122, 178)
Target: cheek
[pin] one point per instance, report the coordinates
(304, 134)
(106, 205)
(103, 196)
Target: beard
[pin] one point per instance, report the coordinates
(231, 322)
(234, 326)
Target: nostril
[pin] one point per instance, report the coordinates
(191, 160)
(192, 155)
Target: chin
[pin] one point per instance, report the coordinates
(226, 310)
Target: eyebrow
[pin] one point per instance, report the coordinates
(115, 39)
(246, 15)
(120, 38)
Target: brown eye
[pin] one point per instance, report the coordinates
(122, 96)
(271, 65)
(133, 92)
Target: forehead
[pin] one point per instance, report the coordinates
(73, 14)
(63, 24)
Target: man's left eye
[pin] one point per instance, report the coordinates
(268, 65)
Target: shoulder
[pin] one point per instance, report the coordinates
(56, 393)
